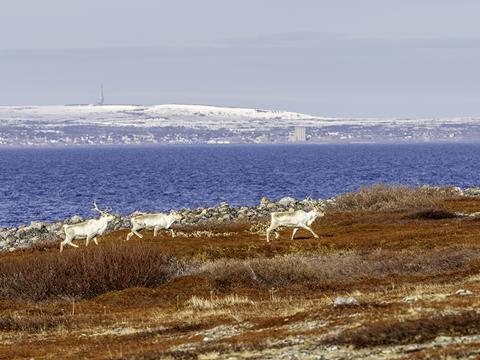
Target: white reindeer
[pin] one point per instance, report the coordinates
(89, 229)
(155, 221)
(296, 219)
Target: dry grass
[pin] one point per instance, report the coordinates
(236, 295)
(383, 197)
(363, 249)
(33, 323)
(218, 302)
(334, 270)
(408, 331)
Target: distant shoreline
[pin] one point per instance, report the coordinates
(146, 145)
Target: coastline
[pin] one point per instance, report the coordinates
(28, 235)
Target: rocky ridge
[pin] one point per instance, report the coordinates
(26, 236)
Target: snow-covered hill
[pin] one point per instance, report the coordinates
(142, 116)
(118, 124)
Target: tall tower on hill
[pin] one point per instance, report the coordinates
(101, 99)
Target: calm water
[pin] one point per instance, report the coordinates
(50, 184)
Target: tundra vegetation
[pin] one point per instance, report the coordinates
(401, 253)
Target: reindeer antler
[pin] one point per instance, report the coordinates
(95, 208)
(309, 201)
(314, 205)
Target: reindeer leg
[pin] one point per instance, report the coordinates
(87, 241)
(65, 242)
(155, 231)
(309, 229)
(172, 232)
(277, 234)
(137, 233)
(269, 230)
(294, 232)
(95, 239)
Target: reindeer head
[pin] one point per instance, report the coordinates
(104, 213)
(176, 215)
(319, 209)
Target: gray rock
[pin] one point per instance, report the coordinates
(286, 201)
(37, 225)
(473, 191)
(264, 201)
(75, 219)
(411, 298)
(463, 292)
(346, 301)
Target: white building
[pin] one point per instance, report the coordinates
(299, 134)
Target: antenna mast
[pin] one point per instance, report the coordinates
(101, 99)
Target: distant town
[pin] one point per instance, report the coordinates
(191, 124)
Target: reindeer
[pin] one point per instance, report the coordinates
(89, 229)
(155, 221)
(296, 219)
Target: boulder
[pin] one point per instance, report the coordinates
(37, 225)
(463, 292)
(75, 219)
(472, 191)
(264, 201)
(286, 201)
(346, 301)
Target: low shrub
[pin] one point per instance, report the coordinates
(319, 269)
(88, 272)
(408, 331)
(383, 197)
(431, 214)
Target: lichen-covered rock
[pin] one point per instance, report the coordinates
(346, 301)
(286, 201)
(472, 191)
(75, 219)
(463, 292)
(37, 225)
(264, 202)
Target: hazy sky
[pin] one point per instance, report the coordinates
(333, 58)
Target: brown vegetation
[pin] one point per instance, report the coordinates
(323, 271)
(412, 330)
(226, 292)
(87, 273)
(431, 214)
(33, 323)
(384, 197)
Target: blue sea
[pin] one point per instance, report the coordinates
(56, 183)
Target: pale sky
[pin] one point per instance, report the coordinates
(373, 58)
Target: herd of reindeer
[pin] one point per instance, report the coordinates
(92, 228)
